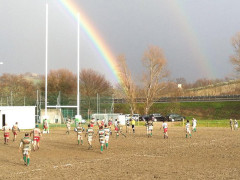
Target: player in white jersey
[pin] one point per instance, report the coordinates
(149, 128)
(89, 134)
(118, 130)
(110, 126)
(68, 125)
(79, 130)
(188, 130)
(101, 134)
(165, 129)
(36, 137)
(194, 125)
(107, 133)
(6, 129)
(15, 131)
(231, 124)
(127, 126)
(235, 125)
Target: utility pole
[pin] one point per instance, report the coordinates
(11, 99)
(37, 107)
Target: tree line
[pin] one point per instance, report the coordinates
(154, 83)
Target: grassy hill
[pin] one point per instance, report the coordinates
(199, 110)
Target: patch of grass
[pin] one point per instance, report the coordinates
(199, 110)
(208, 123)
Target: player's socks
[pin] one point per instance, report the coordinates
(28, 161)
(106, 145)
(186, 135)
(190, 135)
(81, 141)
(24, 158)
(101, 148)
(78, 141)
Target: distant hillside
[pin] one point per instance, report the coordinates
(33, 77)
(224, 88)
(199, 110)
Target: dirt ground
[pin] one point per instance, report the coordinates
(211, 153)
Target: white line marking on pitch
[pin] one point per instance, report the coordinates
(36, 170)
(148, 155)
(67, 165)
(21, 172)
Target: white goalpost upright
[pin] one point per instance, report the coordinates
(46, 61)
(78, 117)
(46, 118)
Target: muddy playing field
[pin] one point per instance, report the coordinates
(211, 153)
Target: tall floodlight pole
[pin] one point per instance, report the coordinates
(97, 103)
(46, 58)
(113, 104)
(37, 106)
(11, 99)
(78, 66)
(99, 106)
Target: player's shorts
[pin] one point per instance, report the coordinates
(133, 126)
(26, 151)
(45, 127)
(6, 135)
(188, 131)
(79, 135)
(116, 129)
(91, 125)
(36, 138)
(15, 133)
(102, 141)
(150, 128)
(106, 138)
(90, 138)
(165, 130)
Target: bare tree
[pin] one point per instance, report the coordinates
(235, 59)
(61, 80)
(93, 83)
(155, 64)
(127, 83)
(18, 87)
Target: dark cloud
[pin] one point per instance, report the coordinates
(187, 31)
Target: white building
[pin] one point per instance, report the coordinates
(24, 115)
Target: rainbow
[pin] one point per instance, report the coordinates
(175, 7)
(193, 42)
(96, 39)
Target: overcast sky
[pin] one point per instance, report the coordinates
(195, 35)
